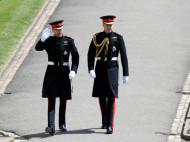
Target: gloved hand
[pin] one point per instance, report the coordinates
(125, 79)
(92, 74)
(71, 74)
(45, 34)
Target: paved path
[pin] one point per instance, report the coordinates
(157, 39)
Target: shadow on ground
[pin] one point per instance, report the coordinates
(45, 135)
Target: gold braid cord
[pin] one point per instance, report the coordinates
(102, 44)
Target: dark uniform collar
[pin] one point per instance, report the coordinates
(58, 38)
(108, 35)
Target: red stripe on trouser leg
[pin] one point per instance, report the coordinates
(114, 106)
(100, 109)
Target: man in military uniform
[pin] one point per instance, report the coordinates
(58, 77)
(105, 47)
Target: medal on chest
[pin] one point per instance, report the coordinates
(65, 42)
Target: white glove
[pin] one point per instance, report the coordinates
(71, 74)
(45, 34)
(125, 79)
(92, 74)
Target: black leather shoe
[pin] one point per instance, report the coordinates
(50, 131)
(63, 128)
(103, 126)
(109, 130)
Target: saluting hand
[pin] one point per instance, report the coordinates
(71, 74)
(92, 74)
(125, 79)
(45, 34)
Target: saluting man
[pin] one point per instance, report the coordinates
(57, 80)
(105, 47)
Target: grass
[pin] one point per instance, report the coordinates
(15, 17)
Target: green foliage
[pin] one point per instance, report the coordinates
(15, 17)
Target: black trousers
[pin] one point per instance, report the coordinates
(51, 108)
(107, 107)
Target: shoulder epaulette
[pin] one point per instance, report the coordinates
(97, 34)
(117, 34)
(50, 38)
(68, 37)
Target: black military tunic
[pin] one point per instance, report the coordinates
(58, 50)
(107, 69)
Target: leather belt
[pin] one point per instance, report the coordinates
(58, 64)
(105, 59)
